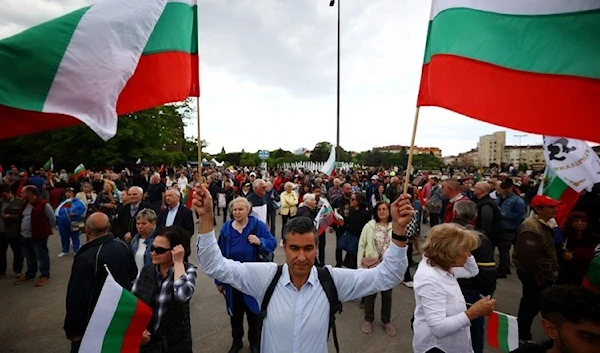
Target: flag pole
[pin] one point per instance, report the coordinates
(410, 151)
(199, 140)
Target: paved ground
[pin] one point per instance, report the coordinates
(31, 319)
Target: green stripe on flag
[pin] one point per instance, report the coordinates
(176, 30)
(565, 44)
(30, 59)
(503, 332)
(554, 186)
(113, 340)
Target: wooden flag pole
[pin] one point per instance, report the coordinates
(199, 140)
(410, 151)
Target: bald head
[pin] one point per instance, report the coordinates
(172, 197)
(484, 186)
(259, 187)
(450, 188)
(97, 225)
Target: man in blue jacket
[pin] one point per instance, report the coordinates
(68, 216)
(514, 212)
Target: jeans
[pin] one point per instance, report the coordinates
(386, 306)
(504, 243)
(67, 236)
(529, 306)
(15, 245)
(477, 325)
(237, 321)
(36, 250)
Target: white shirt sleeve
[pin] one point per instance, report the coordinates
(469, 270)
(432, 297)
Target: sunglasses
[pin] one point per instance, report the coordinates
(159, 250)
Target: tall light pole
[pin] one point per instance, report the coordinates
(337, 140)
(520, 147)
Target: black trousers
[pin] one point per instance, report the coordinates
(284, 219)
(15, 246)
(409, 251)
(434, 219)
(237, 321)
(504, 242)
(529, 306)
(322, 243)
(386, 306)
(339, 259)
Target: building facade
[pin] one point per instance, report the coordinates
(491, 149)
(417, 150)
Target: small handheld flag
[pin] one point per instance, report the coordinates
(502, 331)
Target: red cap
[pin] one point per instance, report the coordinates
(542, 200)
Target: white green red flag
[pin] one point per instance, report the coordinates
(187, 196)
(80, 170)
(108, 59)
(117, 323)
(329, 166)
(326, 217)
(502, 331)
(515, 63)
(49, 165)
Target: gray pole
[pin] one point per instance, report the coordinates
(337, 141)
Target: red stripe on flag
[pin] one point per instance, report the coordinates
(17, 122)
(133, 337)
(190, 198)
(160, 78)
(569, 199)
(492, 330)
(503, 97)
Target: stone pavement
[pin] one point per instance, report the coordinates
(31, 319)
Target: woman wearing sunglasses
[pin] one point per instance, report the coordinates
(167, 285)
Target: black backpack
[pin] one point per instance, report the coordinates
(335, 306)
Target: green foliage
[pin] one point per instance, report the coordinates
(321, 152)
(388, 160)
(523, 167)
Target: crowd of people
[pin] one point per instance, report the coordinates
(140, 224)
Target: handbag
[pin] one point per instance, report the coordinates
(75, 226)
(262, 256)
(276, 205)
(370, 262)
(349, 243)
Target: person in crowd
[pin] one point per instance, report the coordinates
(142, 242)
(243, 239)
(97, 183)
(124, 222)
(489, 216)
(514, 211)
(88, 275)
(392, 192)
(371, 189)
(88, 196)
(214, 187)
(156, 193)
(10, 210)
(375, 239)
(308, 208)
(68, 216)
(106, 201)
(577, 249)
(342, 206)
(441, 318)
(434, 201)
(451, 189)
(305, 188)
(289, 204)
(571, 319)
(378, 195)
(245, 191)
(228, 191)
(334, 191)
(37, 220)
(300, 243)
(592, 277)
(56, 192)
(273, 203)
(354, 222)
(258, 201)
(167, 285)
(535, 259)
(176, 214)
(484, 284)
(319, 183)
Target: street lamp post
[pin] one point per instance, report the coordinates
(337, 141)
(520, 147)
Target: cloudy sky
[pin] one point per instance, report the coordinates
(268, 74)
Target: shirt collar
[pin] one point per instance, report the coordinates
(174, 208)
(137, 205)
(456, 198)
(285, 276)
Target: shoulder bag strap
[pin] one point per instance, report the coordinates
(335, 306)
(267, 297)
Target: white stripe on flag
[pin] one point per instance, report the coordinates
(513, 333)
(101, 57)
(517, 7)
(102, 316)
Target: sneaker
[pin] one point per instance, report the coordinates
(367, 327)
(22, 279)
(409, 284)
(42, 281)
(390, 329)
(62, 254)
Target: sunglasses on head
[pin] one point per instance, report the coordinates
(159, 250)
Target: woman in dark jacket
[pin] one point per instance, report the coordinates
(228, 191)
(355, 222)
(167, 285)
(308, 207)
(578, 249)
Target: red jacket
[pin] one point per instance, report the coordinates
(449, 213)
(40, 224)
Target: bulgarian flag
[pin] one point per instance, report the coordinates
(502, 331)
(329, 166)
(555, 188)
(117, 323)
(112, 58)
(516, 63)
(187, 196)
(49, 165)
(79, 171)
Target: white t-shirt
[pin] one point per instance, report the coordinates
(139, 255)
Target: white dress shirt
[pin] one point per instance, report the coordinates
(440, 319)
(298, 320)
(171, 216)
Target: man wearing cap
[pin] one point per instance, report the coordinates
(68, 216)
(514, 211)
(371, 188)
(535, 259)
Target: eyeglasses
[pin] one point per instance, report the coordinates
(159, 250)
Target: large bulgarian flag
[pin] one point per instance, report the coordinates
(554, 187)
(117, 323)
(502, 331)
(516, 63)
(112, 58)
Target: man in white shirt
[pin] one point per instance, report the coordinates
(298, 318)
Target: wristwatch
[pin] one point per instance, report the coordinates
(399, 237)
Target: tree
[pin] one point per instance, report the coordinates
(321, 152)
(223, 150)
(190, 148)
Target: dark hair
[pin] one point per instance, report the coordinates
(361, 199)
(569, 232)
(5, 188)
(376, 216)
(176, 236)
(570, 303)
(299, 225)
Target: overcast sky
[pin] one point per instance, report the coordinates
(268, 74)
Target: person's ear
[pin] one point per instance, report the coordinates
(550, 329)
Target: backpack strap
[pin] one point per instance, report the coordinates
(335, 306)
(267, 297)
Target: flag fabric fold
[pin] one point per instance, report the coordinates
(80, 170)
(112, 58)
(326, 217)
(474, 66)
(117, 323)
(329, 166)
(502, 331)
(49, 165)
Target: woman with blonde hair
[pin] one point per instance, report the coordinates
(442, 319)
(289, 204)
